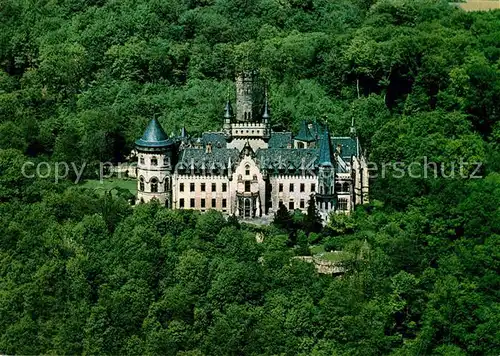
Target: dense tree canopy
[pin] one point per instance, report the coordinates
(83, 272)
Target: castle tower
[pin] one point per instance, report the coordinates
(155, 165)
(252, 120)
(248, 97)
(326, 176)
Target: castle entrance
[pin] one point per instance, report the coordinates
(247, 208)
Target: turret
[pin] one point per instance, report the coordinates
(228, 115)
(266, 119)
(155, 164)
(248, 97)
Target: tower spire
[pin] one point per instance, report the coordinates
(228, 112)
(352, 131)
(266, 115)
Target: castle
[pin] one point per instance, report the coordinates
(247, 169)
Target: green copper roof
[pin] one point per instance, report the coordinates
(154, 136)
(280, 139)
(304, 133)
(325, 150)
(348, 145)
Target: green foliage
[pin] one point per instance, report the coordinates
(83, 272)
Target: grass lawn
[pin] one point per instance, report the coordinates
(110, 183)
(318, 251)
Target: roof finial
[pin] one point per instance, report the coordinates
(353, 128)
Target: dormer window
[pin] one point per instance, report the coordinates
(154, 161)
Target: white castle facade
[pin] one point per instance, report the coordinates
(247, 169)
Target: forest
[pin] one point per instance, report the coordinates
(84, 272)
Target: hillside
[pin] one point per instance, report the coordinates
(84, 272)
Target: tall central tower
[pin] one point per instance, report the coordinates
(249, 97)
(252, 121)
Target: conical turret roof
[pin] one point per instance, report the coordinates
(154, 136)
(325, 150)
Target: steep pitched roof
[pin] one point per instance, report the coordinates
(349, 146)
(325, 150)
(215, 138)
(280, 139)
(289, 161)
(154, 136)
(218, 158)
(304, 133)
(316, 130)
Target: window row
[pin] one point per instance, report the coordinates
(258, 132)
(291, 187)
(291, 204)
(154, 183)
(203, 203)
(203, 187)
(154, 161)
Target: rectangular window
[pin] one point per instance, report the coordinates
(280, 187)
(224, 203)
(214, 187)
(202, 203)
(342, 204)
(302, 187)
(224, 187)
(181, 187)
(214, 203)
(191, 203)
(191, 187)
(313, 187)
(291, 187)
(291, 205)
(247, 186)
(203, 185)
(181, 203)
(302, 204)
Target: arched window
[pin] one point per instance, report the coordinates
(141, 159)
(154, 185)
(338, 187)
(141, 184)
(154, 161)
(345, 187)
(247, 170)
